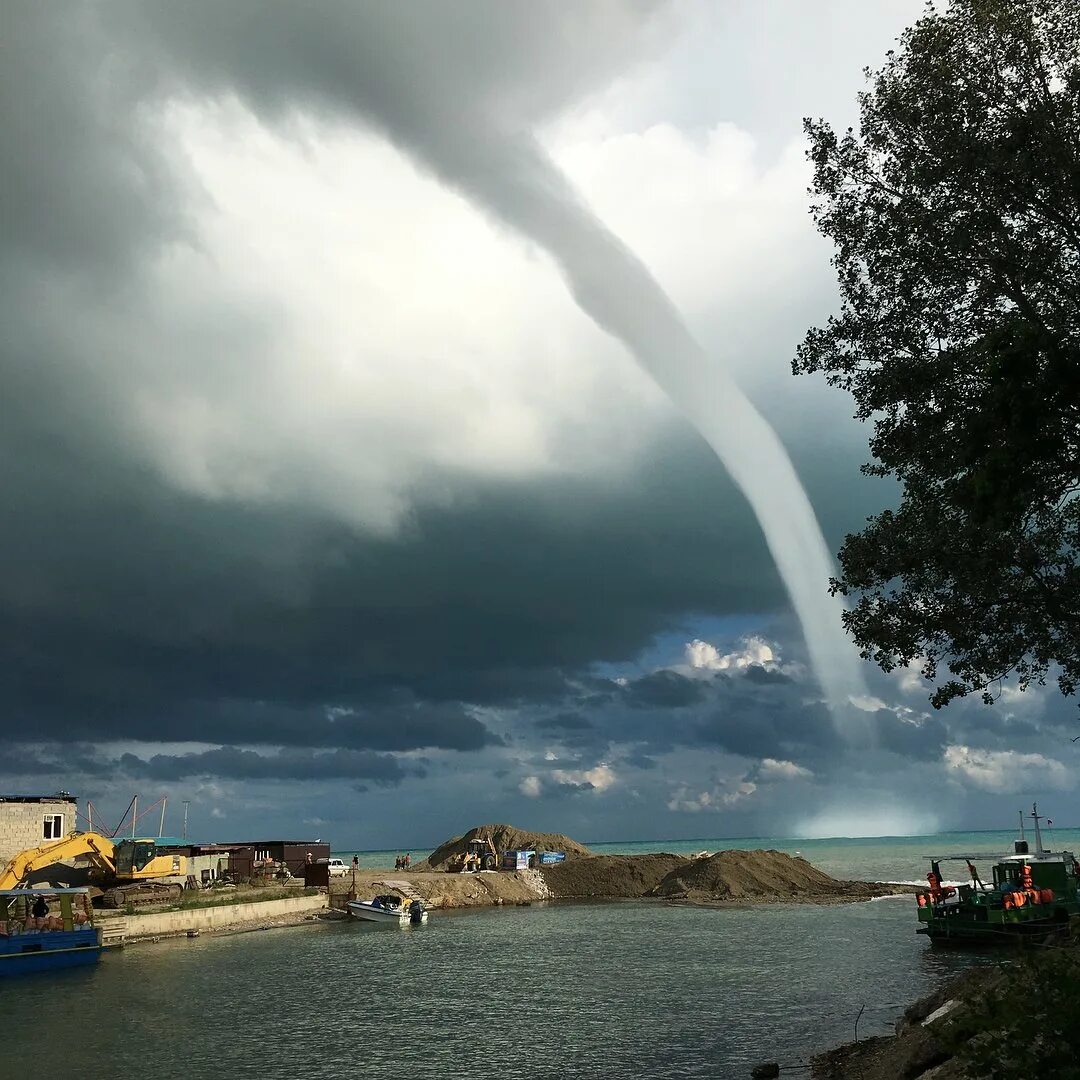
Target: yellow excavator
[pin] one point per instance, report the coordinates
(479, 854)
(131, 871)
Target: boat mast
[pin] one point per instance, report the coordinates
(1039, 849)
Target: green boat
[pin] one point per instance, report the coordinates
(1030, 894)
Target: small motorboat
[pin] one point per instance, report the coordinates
(389, 909)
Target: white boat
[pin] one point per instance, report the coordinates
(389, 909)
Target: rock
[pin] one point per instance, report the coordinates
(767, 1071)
(938, 1013)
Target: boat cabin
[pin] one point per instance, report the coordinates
(1029, 893)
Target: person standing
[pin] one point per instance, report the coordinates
(975, 880)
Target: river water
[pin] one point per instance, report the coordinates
(551, 991)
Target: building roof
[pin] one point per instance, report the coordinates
(60, 796)
(267, 843)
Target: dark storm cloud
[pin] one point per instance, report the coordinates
(564, 722)
(129, 610)
(228, 762)
(664, 689)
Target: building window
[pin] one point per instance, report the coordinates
(263, 854)
(52, 827)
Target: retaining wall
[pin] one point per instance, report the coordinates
(162, 923)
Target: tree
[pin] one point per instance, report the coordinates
(955, 212)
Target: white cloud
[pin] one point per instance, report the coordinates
(725, 794)
(1006, 771)
(600, 777)
(531, 787)
(772, 769)
(705, 658)
(867, 702)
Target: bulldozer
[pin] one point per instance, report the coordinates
(479, 854)
(130, 871)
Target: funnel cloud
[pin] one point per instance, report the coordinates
(468, 112)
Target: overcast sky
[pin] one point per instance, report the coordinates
(327, 509)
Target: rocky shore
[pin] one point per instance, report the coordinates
(1019, 1018)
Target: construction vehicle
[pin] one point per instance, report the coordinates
(479, 854)
(130, 871)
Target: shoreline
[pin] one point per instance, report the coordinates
(660, 877)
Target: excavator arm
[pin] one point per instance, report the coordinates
(99, 848)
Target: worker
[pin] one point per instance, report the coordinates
(975, 879)
(40, 911)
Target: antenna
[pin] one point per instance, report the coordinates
(1021, 813)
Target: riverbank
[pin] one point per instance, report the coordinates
(228, 916)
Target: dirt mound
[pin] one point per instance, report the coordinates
(506, 838)
(758, 875)
(612, 875)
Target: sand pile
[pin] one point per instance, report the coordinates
(612, 875)
(506, 838)
(759, 875)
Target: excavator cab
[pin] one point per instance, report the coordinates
(133, 856)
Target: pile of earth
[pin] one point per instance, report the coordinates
(761, 875)
(505, 838)
(629, 876)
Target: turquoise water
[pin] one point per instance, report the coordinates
(878, 858)
(539, 993)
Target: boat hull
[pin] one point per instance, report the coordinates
(33, 952)
(360, 910)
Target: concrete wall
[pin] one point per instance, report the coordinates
(162, 923)
(22, 823)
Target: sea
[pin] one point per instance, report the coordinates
(565, 990)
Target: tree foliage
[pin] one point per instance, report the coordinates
(955, 214)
